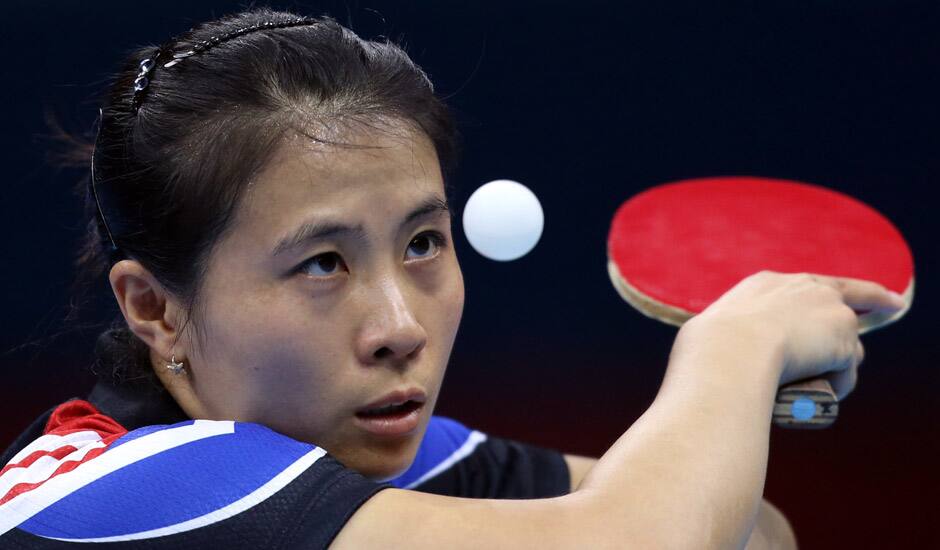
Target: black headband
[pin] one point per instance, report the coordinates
(115, 253)
(141, 84)
(147, 66)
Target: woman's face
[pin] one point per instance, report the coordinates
(336, 291)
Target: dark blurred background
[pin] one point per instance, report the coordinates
(586, 103)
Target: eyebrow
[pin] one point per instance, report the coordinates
(320, 229)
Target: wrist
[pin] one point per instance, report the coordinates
(729, 350)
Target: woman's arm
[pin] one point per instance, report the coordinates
(771, 529)
(689, 473)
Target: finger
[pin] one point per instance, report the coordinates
(863, 295)
(843, 381)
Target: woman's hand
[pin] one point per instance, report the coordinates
(810, 319)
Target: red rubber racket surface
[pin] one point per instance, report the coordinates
(678, 247)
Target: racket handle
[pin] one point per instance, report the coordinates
(808, 404)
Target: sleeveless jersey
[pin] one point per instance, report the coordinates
(204, 483)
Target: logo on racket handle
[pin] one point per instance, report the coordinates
(808, 405)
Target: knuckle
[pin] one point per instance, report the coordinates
(831, 293)
(848, 350)
(762, 275)
(851, 319)
(872, 286)
(847, 319)
(756, 280)
(838, 282)
(843, 350)
(826, 293)
(802, 277)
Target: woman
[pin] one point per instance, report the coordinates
(269, 203)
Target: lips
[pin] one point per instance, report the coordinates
(395, 398)
(395, 414)
(393, 409)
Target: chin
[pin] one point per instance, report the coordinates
(388, 463)
(384, 471)
(386, 475)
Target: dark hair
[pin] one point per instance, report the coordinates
(163, 172)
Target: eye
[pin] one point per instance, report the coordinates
(322, 265)
(427, 244)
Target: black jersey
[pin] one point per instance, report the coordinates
(81, 476)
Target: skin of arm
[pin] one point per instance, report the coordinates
(771, 531)
(699, 453)
(689, 473)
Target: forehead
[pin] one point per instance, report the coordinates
(371, 172)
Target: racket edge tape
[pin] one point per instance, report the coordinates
(676, 316)
(654, 309)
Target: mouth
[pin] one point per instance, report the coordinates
(396, 414)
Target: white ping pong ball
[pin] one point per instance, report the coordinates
(503, 220)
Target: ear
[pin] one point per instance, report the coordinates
(152, 313)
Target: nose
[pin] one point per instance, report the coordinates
(391, 334)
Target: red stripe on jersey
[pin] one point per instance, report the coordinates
(70, 417)
(57, 453)
(63, 468)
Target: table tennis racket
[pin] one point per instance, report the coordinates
(675, 248)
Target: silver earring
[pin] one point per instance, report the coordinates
(177, 368)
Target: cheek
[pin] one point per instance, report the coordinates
(265, 360)
(453, 301)
(447, 309)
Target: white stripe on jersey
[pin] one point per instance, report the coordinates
(276, 483)
(42, 468)
(51, 442)
(30, 503)
(474, 439)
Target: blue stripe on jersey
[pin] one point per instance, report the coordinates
(441, 440)
(172, 486)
